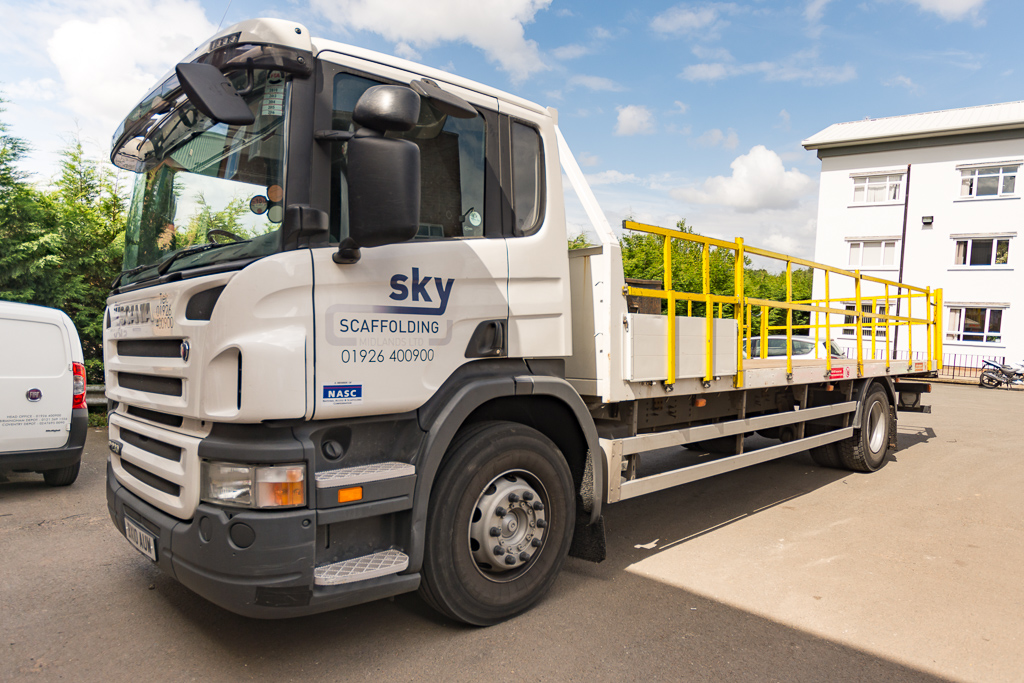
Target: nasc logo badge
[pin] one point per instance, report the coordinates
(343, 393)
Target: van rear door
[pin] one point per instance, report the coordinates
(36, 380)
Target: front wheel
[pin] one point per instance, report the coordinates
(501, 518)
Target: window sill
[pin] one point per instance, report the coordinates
(973, 345)
(987, 269)
(866, 204)
(983, 199)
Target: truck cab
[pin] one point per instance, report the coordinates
(287, 376)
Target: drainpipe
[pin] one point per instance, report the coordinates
(903, 252)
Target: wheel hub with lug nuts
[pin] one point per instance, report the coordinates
(508, 524)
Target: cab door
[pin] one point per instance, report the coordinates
(392, 327)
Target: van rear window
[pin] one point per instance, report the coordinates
(31, 349)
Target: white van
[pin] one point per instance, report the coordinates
(43, 416)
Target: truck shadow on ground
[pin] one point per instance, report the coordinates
(600, 622)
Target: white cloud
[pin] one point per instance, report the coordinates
(801, 66)
(634, 120)
(493, 26)
(718, 54)
(684, 19)
(570, 51)
(758, 181)
(27, 90)
(109, 60)
(596, 83)
(815, 10)
(611, 178)
(951, 10)
(586, 159)
(813, 13)
(681, 107)
(903, 82)
(784, 119)
(715, 137)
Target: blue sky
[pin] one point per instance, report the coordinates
(674, 110)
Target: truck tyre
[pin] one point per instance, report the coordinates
(866, 450)
(62, 476)
(502, 512)
(826, 456)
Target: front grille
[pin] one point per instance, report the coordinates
(155, 416)
(150, 479)
(159, 448)
(149, 348)
(168, 386)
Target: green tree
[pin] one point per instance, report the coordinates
(642, 258)
(63, 247)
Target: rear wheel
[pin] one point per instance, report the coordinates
(826, 456)
(62, 476)
(989, 381)
(501, 517)
(866, 450)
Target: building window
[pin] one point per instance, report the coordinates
(991, 181)
(866, 332)
(877, 189)
(872, 253)
(982, 252)
(982, 325)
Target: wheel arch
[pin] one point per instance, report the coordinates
(548, 404)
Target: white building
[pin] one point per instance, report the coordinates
(933, 198)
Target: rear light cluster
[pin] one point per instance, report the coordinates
(79, 386)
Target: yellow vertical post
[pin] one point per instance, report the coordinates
(938, 328)
(860, 325)
(789, 318)
(828, 326)
(888, 329)
(738, 307)
(709, 320)
(750, 327)
(910, 331)
(929, 332)
(764, 332)
(874, 326)
(670, 320)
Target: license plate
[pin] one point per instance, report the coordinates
(144, 541)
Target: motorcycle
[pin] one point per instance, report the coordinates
(994, 375)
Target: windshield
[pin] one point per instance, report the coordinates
(208, 193)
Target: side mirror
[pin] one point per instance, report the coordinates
(383, 173)
(387, 107)
(383, 191)
(212, 94)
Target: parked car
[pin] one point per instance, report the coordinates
(803, 347)
(43, 416)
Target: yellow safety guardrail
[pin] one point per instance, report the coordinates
(877, 324)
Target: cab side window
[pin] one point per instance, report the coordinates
(452, 166)
(527, 178)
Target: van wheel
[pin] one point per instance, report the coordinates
(63, 476)
(865, 451)
(502, 513)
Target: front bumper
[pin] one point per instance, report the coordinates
(257, 564)
(52, 458)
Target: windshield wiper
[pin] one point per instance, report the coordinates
(162, 268)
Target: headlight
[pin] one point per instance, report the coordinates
(253, 486)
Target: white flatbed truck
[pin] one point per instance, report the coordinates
(350, 355)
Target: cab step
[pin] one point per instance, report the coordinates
(361, 568)
(353, 476)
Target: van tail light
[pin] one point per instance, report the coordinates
(79, 386)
